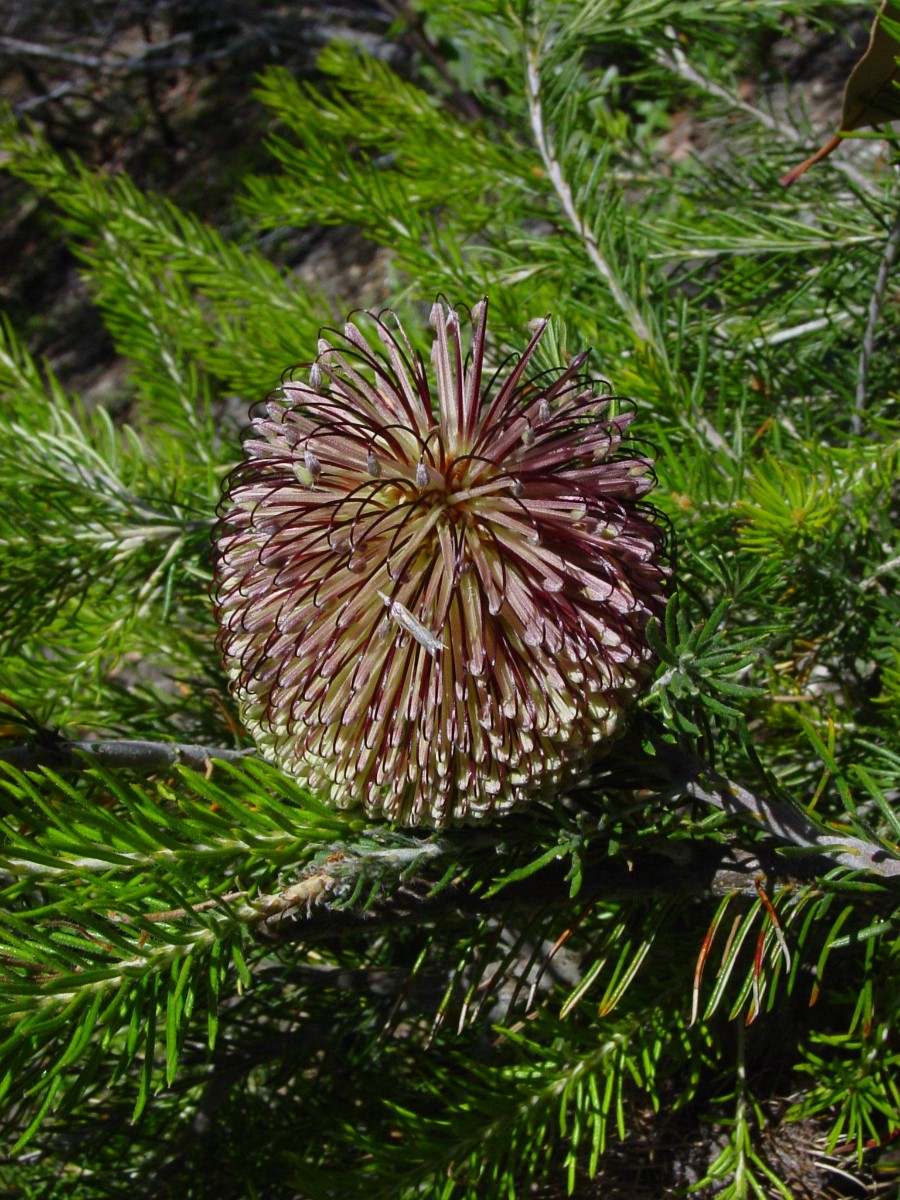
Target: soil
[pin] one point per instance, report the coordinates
(162, 89)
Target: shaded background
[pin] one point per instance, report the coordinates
(162, 89)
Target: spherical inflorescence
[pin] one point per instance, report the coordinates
(433, 600)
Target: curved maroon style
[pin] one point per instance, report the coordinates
(433, 598)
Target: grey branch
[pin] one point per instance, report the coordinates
(152, 58)
(137, 755)
(564, 192)
(875, 303)
(790, 825)
(147, 59)
(676, 62)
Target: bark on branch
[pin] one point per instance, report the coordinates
(306, 911)
(51, 751)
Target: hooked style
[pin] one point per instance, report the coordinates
(500, 526)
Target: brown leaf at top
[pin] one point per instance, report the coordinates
(871, 95)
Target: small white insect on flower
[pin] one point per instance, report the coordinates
(412, 625)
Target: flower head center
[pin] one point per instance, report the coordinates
(433, 591)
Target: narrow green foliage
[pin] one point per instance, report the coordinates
(126, 906)
(178, 298)
(705, 665)
(209, 975)
(378, 136)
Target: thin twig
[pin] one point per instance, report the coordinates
(95, 62)
(676, 62)
(178, 914)
(415, 34)
(885, 569)
(148, 60)
(564, 192)
(16, 46)
(868, 342)
(56, 93)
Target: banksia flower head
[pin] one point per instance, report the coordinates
(433, 601)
